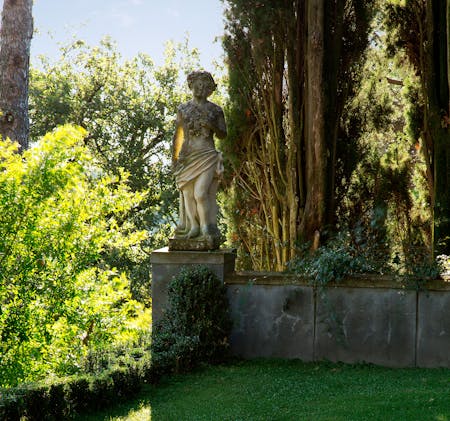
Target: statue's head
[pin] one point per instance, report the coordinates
(206, 77)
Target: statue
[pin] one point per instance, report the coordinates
(198, 166)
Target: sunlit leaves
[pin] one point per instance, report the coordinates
(128, 108)
(60, 218)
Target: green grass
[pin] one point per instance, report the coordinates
(292, 390)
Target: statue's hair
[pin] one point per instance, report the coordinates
(201, 75)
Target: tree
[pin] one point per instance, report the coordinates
(128, 108)
(16, 34)
(386, 208)
(292, 67)
(60, 295)
(421, 29)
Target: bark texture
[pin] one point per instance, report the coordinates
(316, 157)
(15, 39)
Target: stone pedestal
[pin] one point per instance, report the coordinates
(166, 264)
(209, 243)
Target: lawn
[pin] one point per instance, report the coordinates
(292, 390)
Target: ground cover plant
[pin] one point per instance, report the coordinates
(292, 390)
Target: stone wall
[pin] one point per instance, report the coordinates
(364, 320)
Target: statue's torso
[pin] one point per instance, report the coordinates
(197, 121)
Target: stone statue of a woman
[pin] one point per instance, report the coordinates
(198, 166)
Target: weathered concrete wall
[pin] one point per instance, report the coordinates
(366, 324)
(370, 319)
(373, 321)
(272, 322)
(433, 329)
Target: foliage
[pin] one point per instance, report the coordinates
(350, 253)
(65, 397)
(339, 258)
(195, 329)
(418, 30)
(196, 324)
(329, 266)
(283, 181)
(386, 198)
(128, 108)
(60, 218)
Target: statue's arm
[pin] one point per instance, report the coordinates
(178, 138)
(221, 127)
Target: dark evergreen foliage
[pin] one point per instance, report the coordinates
(420, 28)
(274, 206)
(196, 325)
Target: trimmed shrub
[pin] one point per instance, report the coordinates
(196, 325)
(66, 397)
(195, 329)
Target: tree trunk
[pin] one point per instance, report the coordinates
(447, 14)
(334, 97)
(284, 154)
(16, 33)
(438, 100)
(316, 161)
(295, 81)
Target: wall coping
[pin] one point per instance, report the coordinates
(354, 281)
(166, 256)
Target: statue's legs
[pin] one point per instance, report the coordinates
(191, 209)
(205, 200)
(182, 226)
(214, 208)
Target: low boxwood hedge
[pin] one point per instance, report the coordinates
(194, 330)
(63, 398)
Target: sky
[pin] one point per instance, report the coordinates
(135, 25)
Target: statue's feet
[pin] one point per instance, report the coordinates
(187, 233)
(193, 232)
(181, 231)
(180, 228)
(210, 230)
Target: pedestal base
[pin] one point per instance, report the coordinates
(166, 264)
(192, 244)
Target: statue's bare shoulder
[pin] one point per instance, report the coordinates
(184, 108)
(216, 109)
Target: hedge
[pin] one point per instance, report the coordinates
(194, 330)
(63, 398)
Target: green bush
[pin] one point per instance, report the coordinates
(333, 262)
(63, 398)
(346, 255)
(196, 325)
(60, 217)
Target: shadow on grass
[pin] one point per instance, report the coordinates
(292, 390)
(138, 408)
